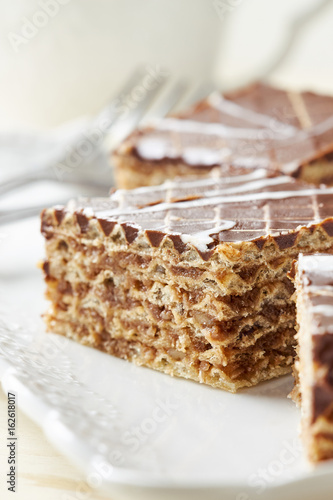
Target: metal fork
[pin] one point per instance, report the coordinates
(110, 116)
(112, 123)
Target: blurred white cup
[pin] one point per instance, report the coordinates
(65, 58)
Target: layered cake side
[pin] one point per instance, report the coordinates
(288, 132)
(187, 278)
(314, 367)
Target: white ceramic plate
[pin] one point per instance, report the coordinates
(138, 433)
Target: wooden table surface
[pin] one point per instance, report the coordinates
(43, 474)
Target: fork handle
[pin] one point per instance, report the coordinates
(16, 182)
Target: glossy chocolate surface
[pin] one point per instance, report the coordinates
(258, 126)
(245, 207)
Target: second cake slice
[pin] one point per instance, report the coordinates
(314, 368)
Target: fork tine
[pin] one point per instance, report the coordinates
(127, 122)
(199, 92)
(167, 102)
(108, 114)
(17, 182)
(110, 111)
(9, 216)
(13, 215)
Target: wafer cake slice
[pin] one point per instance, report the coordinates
(189, 278)
(314, 367)
(261, 126)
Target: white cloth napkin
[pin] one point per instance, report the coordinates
(24, 152)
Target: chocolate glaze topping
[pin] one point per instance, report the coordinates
(59, 215)
(259, 125)
(316, 272)
(82, 221)
(46, 268)
(246, 207)
(107, 226)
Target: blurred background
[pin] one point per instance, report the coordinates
(62, 59)
(66, 65)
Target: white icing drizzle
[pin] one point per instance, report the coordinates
(154, 148)
(255, 134)
(222, 199)
(320, 128)
(205, 156)
(124, 204)
(314, 131)
(202, 238)
(71, 206)
(228, 107)
(321, 290)
(318, 266)
(88, 211)
(249, 186)
(250, 162)
(318, 262)
(259, 173)
(323, 309)
(217, 129)
(290, 167)
(263, 127)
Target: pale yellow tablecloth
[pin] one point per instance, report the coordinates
(43, 474)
